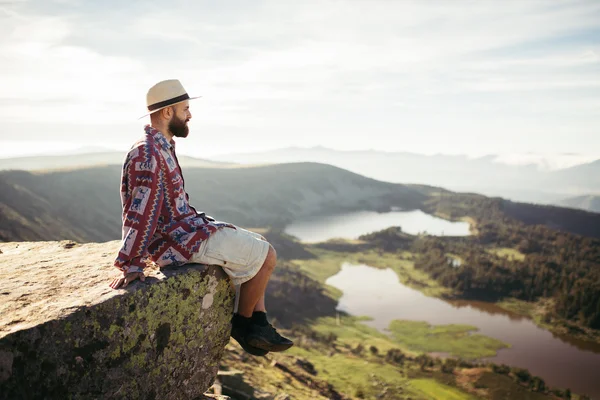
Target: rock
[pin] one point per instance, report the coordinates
(306, 366)
(232, 383)
(214, 396)
(64, 333)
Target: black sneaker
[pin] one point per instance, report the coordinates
(265, 337)
(239, 332)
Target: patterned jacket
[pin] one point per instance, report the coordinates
(158, 221)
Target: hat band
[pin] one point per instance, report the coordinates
(165, 103)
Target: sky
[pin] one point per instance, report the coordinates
(514, 77)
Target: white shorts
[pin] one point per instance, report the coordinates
(239, 252)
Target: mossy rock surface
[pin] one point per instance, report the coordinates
(160, 339)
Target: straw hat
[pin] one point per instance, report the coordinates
(165, 94)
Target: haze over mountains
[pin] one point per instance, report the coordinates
(528, 179)
(487, 175)
(83, 204)
(86, 159)
(590, 203)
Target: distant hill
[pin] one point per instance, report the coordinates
(491, 175)
(589, 202)
(485, 175)
(84, 204)
(585, 176)
(80, 160)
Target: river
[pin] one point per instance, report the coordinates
(561, 362)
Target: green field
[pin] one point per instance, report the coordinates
(350, 331)
(456, 340)
(431, 389)
(505, 252)
(351, 374)
(364, 371)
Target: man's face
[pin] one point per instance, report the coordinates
(178, 123)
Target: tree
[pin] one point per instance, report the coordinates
(538, 384)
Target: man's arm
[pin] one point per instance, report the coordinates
(141, 210)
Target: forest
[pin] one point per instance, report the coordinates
(554, 264)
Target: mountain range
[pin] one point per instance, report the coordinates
(87, 159)
(485, 175)
(589, 202)
(84, 204)
(489, 175)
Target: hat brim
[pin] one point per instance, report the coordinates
(169, 105)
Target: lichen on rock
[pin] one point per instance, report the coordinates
(160, 339)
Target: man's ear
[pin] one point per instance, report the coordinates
(167, 112)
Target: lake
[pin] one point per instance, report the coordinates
(563, 363)
(352, 225)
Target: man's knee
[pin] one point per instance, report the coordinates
(271, 259)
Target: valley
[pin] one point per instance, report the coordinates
(488, 259)
(474, 339)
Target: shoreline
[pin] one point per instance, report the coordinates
(329, 262)
(566, 330)
(402, 265)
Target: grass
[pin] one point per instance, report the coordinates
(412, 337)
(456, 340)
(431, 389)
(351, 332)
(348, 373)
(506, 252)
(520, 307)
(503, 387)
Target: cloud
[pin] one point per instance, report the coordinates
(338, 65)
(40, 70)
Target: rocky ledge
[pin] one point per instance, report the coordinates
(64, 333)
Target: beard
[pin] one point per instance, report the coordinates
(178, 127)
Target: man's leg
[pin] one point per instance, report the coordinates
(249, 291)
(251, 316)
(260, 306)
(253, 291)
(250, 322)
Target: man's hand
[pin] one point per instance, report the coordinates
(206, 217)
(124, 281)
(211, 219)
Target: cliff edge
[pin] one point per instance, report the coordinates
(64, 333)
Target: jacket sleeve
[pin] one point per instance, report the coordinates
(142, 199)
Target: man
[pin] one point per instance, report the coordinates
(159, 223)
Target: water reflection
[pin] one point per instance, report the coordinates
(377, 293)
(352, 225)
(489, 308)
